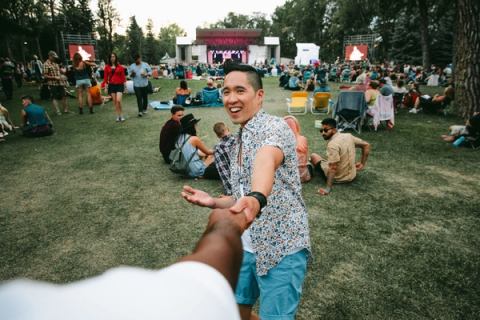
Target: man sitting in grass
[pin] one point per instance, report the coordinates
(340, 164)
(170, 131)
(36, 122)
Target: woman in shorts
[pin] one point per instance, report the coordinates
(114, 78)
(82, 80)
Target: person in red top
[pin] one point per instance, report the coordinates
(114, 79)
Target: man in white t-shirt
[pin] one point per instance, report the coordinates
(198, 287)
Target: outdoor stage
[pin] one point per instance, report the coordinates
(218, 45)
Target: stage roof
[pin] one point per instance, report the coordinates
(231, 32)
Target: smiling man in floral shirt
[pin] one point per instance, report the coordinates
(266, 187)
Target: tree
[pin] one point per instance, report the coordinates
(107, 20)
(423, 24)
(467, 57)
(150, 50)
(135, 39)
(167, 38)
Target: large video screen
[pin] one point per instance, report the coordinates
(356, 52)
(87, 51)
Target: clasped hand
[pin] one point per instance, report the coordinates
(249, 206)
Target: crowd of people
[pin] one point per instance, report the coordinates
(260, 220)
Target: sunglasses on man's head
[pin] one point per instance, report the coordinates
(322, 130)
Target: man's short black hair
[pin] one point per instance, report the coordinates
(137, 56)
(177, 108)
(27, 97)
(329, 122)
(252, 73)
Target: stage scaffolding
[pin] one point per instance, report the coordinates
(76, 39)
(371, 40)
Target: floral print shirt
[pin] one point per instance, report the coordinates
(282, 228)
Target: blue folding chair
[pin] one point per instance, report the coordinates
(211, 98)
(350, 110)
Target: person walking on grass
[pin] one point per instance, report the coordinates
(82, 81)
(266, 187)
(114, 78)
(56, 82)
(139, 72)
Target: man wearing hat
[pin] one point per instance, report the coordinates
(55, 81)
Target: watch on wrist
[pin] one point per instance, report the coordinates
(262, 200)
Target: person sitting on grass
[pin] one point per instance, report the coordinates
(169, 133)
(194, 146)
(182, 93)
(372, 93)
(411, 97)
(302, 149)
(294, 82)
(385, 88)
(321, 86)
(96, 94)
(310, 84)
(36, 122)
(222, 152)
(469, 134)
(340, 165)
(6, 123)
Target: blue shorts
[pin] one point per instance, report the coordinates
(86, 83)
(279, 290)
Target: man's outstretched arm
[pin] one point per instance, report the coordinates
(220, 246)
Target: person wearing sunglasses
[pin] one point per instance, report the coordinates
(340, 165)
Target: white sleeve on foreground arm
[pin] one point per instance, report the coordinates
(185, 290)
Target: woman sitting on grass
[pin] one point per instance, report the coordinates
(301, 149)
(194, 146)
(372, 93)
(182, 93)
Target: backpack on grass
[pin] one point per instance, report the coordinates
(180, 163)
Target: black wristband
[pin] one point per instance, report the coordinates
(262, 200)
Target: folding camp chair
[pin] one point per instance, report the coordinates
(383, 110)
(350, 110)
(211, 98)
(320, 103)
(297, 104)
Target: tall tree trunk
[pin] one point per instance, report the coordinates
(467, 57)
(9, 48)
(39, 48)
(54, 29)
(423, 11)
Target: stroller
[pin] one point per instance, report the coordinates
(350, 110)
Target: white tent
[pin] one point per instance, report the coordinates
(306, 52)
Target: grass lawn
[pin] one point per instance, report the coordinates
(400, 242)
